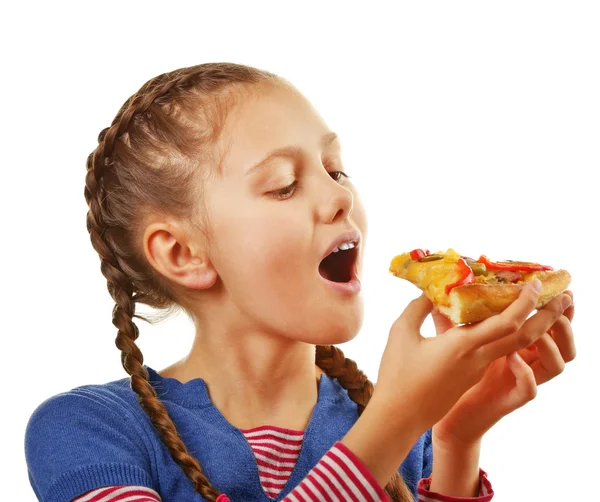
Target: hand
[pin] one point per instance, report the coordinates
(421, 379)
(509, 382)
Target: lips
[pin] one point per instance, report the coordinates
(349, 236)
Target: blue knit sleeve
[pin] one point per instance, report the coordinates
(418, 463)
(84, 439)
(427, 455)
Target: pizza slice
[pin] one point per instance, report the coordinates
(468, 290)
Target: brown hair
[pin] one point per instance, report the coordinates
(149, 162)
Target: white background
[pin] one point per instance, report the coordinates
(472, 125)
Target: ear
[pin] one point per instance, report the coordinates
(179, 256)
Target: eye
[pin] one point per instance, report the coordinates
(285, 192)
(338, 176)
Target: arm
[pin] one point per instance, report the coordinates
(446, 464)
(456, 472)
(339, 475)
(341, 472)
(381, 449)
(456, 469)
(90, 445)
(509, 383)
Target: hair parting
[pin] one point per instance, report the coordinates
(149, 161)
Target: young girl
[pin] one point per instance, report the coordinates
(218, 189)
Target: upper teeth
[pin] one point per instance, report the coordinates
(345, 246)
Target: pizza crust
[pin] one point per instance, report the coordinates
(476, 302)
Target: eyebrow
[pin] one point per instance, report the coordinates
(290, 152)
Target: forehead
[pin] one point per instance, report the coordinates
(272, 117)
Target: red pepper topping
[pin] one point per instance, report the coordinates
(512, 266)
(417, 254)
(466, 275)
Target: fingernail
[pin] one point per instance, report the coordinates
(566, 302)
(536, 284)
(531, 347)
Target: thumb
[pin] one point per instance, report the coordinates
(415, 314)
(441, 322)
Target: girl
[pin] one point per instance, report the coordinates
(218, 189)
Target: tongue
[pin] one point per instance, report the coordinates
(336, 267)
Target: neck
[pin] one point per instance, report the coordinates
(254, 379)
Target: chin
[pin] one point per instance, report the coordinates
(341, 338)
(338, 333)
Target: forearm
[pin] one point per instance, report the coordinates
(380, 441)
(455, 468)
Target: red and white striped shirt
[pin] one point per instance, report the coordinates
(276, 450)
(338, 476)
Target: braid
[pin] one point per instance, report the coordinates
(113, 255)
(132, 171)
(360, 389)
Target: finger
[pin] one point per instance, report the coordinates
(562, 334)
(525, 386)
(529, 354)
(441, 322)
(508, 321)
(550, 362)
(414, 314)
(531, 330)
(570, 312)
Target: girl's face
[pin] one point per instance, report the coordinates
(273, 224)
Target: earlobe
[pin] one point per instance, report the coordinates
(202, 274)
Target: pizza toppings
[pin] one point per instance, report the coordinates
(469, 290)
(441, 272)
(477, 268)
(417, 254)
(513, 276)
(514, 266)
(431, 257)
(466, 275)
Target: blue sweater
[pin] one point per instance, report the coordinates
(98, 435)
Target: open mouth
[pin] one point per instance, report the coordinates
(339, 266)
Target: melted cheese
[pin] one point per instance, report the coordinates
(539, 274)
(430, 276)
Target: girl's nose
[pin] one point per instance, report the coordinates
(335, 201)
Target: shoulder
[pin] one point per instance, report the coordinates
(91, 434)
(83, 409)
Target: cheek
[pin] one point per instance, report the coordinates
(261, 250)
(278, 257)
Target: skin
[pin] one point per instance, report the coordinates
(508, 384)
(446, 380)
(261, 303)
